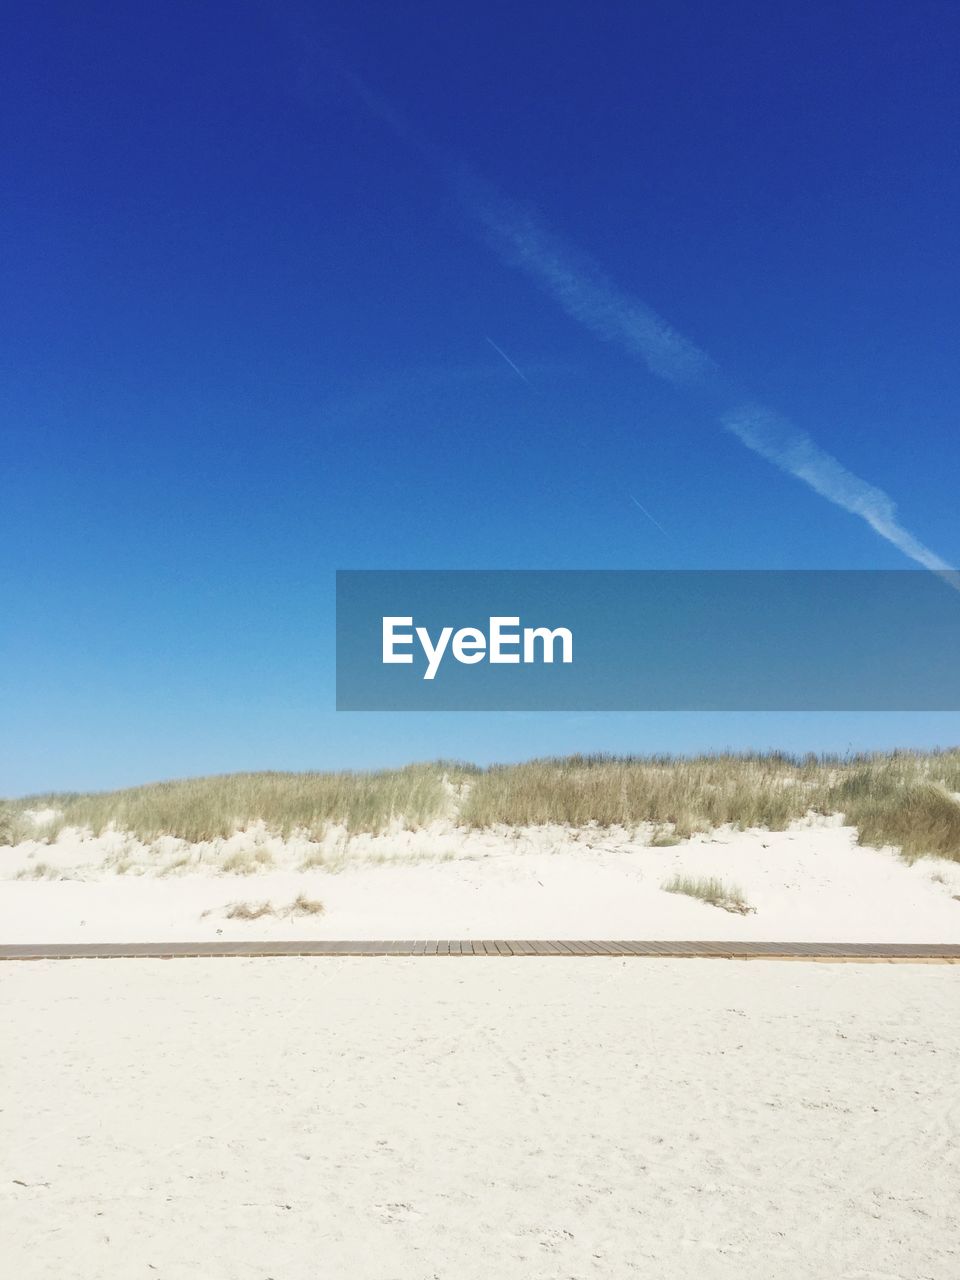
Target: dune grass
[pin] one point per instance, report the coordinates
(914, 811)
(38, 871)
(14, 824)
(304, 906)
(195, 809)
(710, 890)
(249, 910)
(687, 795)
(301, 906)
(904, 799)
(245, 862)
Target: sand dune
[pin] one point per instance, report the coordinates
(812, 882)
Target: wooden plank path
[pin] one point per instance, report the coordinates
(946, 953)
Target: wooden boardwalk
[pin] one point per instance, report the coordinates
(947, 953)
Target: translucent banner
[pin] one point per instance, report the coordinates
(607, 640)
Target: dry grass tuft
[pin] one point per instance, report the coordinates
(711, 890)
(244, 862)
(304, 906)
(301, 906)
(316, 859)
(16, 825)
(10, 825)
(182, 863)
(39, 871)
(249, 910)
(664, 838)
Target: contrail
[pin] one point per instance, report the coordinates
(509, 361)
(582, 290)
(797, 453)
(649, 516)
(586, 295)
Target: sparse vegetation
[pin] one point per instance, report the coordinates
(174, 868)
(304, 906)
(680, 795)
(39, 871)
(664, 838)
(245, 862)
(709, 889)
(904, 799)
(17, 825)
(249, 910)
(892, 806)
(317, 860)
(9, 826)
(301, 906)
(196, 809)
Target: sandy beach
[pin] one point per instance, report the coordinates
(810, 883)
(479, 635)
(424, 1118)
(412, 1119)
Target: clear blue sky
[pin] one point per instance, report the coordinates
(247, 324)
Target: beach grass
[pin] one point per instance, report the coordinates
(304, 906)
(301, 906)
(14, 824)
(680, 796)
(38, 871)
(249, 910)
(919, 815)
(905, 799)
(710, 890)
(195, 809)
(244, 862)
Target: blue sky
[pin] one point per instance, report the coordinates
(249, 302)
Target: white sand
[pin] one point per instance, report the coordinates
(521, 1119)
(811, 883)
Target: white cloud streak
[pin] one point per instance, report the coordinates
(795, 452)
(587, 296)
(583, 292)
